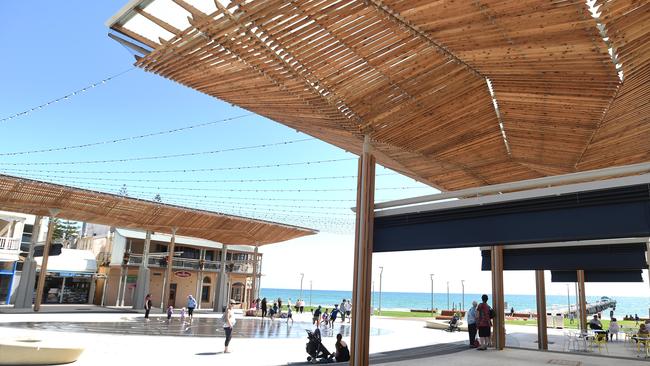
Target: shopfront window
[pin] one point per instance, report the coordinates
(205, 291)
(237, 292)
(67, 290)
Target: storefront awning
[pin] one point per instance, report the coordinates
(71, 261)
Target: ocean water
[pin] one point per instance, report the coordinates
(416, 300)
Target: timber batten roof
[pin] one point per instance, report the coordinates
(36, 197)
(413, 75)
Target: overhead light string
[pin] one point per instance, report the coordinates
(65, 97)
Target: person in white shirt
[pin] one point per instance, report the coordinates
(614, 328)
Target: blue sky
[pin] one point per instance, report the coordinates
(64, 50)
(53, 48)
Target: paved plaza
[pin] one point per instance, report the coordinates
(265, 342)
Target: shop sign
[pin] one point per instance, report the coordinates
(182, 274)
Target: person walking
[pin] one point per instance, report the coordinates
(289, 315)
(342, 310)
(316, 316)
(484, 323)
(264, 308)
(191, 304)
(228, 324)
(333, 315)
(280, 304)
(471, 324)
(348, 310)
(147, 306)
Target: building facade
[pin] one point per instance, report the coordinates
(15, 236)
(197, 265)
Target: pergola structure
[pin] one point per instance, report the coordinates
(454, 94)
(54, 200)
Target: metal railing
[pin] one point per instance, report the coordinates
(243, 267)
(178, 263)
(9, 243)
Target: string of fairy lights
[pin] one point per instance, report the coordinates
(126, 139)
(64, 97)
(283, 197)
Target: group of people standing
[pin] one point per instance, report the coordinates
(328, 318)
(479, 318)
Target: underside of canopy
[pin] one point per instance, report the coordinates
(37, 198)
(454, 94)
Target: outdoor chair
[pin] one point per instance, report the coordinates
(643, 342)
(571, 342)
(599, 340)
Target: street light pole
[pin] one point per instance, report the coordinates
(462, 283)
(431, 294)
(568, 300)
(310, 293)
(448, 308)
(381, 272)
(373, 298)
(302, 275)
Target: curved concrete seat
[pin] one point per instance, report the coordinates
(444, 324)
(28, 351)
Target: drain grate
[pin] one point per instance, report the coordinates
(564, 362)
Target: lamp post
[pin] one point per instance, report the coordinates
(447, 295)
(431, 275)
(568, 300)
(373, 298)
(462, 283)
(309, 293)
(302, 275)
(381, 272)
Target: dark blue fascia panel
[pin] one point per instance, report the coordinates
(611, 213)
(598, 276)
(615, 257)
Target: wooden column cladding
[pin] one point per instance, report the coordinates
(582, 300)
(540, 287)
(363, 258)
(497, 298)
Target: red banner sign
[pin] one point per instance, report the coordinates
(182, 274)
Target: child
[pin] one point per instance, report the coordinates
(326, 317)
(334, 315)
(170, 311)
(182, 315)
(289, 315)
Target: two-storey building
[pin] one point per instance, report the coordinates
(15, 232)
(196, 267)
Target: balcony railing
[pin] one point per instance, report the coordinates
(9, 243)
(245, 267)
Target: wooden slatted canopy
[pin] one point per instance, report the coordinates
(35, 197)
(413, 75)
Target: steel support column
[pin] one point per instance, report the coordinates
(25, 292)
(363, 257)
(497, 297)
(219, 290)
(168, 272)
(119, 284)
(254, 285)
(540, 285)
(199, 281)
(582, 300)
(46, 255)
(142, 284)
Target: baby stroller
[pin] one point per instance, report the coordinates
(454, 324)
(317, 352)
